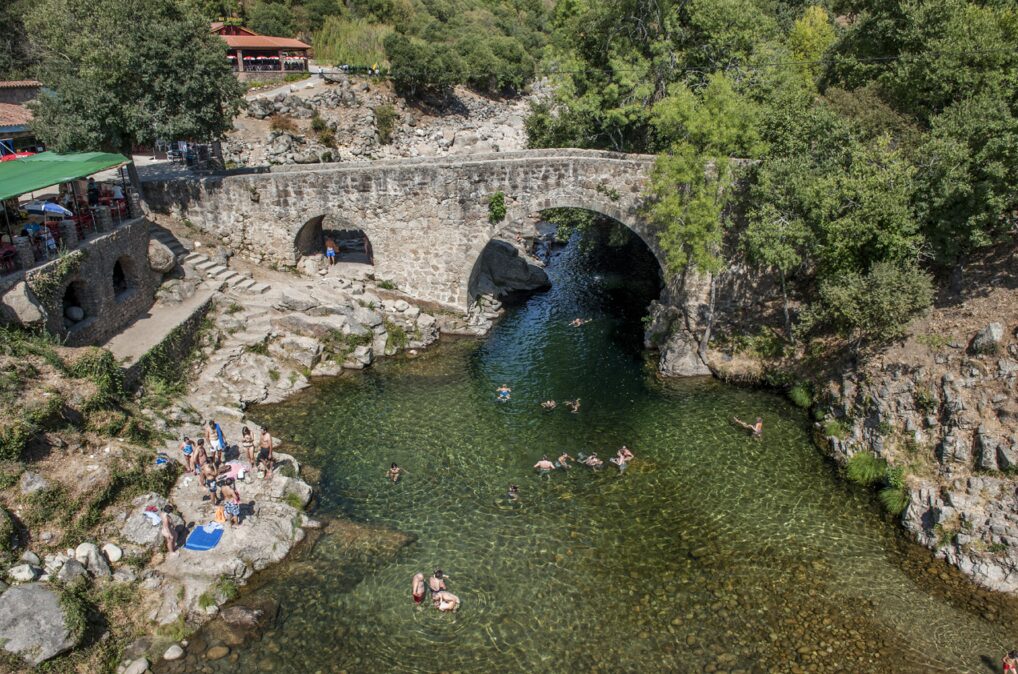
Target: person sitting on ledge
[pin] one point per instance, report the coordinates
(549, 404)
(756, 428)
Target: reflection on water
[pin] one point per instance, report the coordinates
(712, 552)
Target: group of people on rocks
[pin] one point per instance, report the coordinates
(441, 598)
(205, 458)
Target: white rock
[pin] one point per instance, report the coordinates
(113, 552)
(174, 652)
(23, 573)
(139, 666)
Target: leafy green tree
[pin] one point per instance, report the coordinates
(165, 78)
(810, 38)
(420, 67)
(715, 120)
(270, 18)
(688, 195)
(877, 305)
(776, 241)
(16, 57)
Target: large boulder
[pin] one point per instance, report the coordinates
(34, 625)
(32, 482)
(140, 529)
(988, 340)
(501, 271)
(19, 305)
(305, 351)
(680, 357)
(319, 327)
(160, 257)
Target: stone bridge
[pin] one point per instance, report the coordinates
(427, 219)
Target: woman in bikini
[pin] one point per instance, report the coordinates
(247, 442)
(168, 530)
(188, 449)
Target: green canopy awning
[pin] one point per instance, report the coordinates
(49, 168)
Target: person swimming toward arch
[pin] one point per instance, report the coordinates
(622, 458)
(591, 461)
(504, 393)
(549, 405)
(573, 405)
(544, 466)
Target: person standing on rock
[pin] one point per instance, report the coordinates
(201, 457)
(216, 440)
(169, 531)
(209, 479)
(231, 502)
(265, 453)
(188, 449)
(330, 251)
(417, 588)
(247, 442)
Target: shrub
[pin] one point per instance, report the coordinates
(327, 157)
(101, 368)
(385, 122)
(327, 138)
(281, 123)
(865, 468)
(387, 285)
(397, 337)
(318, 124)
(894, 499)
(800, 396)
(496, 208)
(106, 422)
(925, 400)
(296, 77)
(835, 428)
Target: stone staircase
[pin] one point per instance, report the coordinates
(236, 281)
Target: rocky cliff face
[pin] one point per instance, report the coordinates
(940, 405)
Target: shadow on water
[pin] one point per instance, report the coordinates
(711, 552)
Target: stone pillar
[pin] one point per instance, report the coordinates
(68, 234)
(103, 219)
(133, 203)
(23, 246)
(240, 60)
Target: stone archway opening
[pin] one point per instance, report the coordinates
(123, 277)
(72, 304)
(351, 244)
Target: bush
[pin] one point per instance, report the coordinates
(496, 208)
(423, 68)
(865, 468)
(876, 306)
(385, 122)
(101, 368)
(327, 138)
(397, 337)
(318, 124)
(327, 157)
(800, 396)
(281, 123)
(836, 428)
(894, 499)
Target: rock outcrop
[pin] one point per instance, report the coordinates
(501, 271)
(160, 257)
(20, 306)
(33, 624)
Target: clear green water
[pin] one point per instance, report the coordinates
(713, 551)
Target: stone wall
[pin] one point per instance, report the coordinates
(89, 270)
(426, 219)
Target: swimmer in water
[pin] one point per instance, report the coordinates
(394, 473)
(622, 458)
(591, 460)
(544, 465)
(514, 493)
(503, 393)
(445, 601)
(573, 405)
(417, 588)
(577, 322)
(755, 428)
(437, 582)
(549, 405)
(563, 460)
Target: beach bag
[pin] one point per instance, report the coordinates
(220, 514)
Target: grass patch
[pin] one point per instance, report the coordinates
(865, 468)
(282, 123)
(294, 501)
(274, 375)
(894, 499)
(934, 341)
(386, 285)
(925, 400)
(261, 348)
(836, 428)
(397, 337)
(801, 396)
(233, 308)
(343, 40)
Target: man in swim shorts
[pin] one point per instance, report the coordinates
(544, 465)
(563, 460)
(417, 588)
(503, 393)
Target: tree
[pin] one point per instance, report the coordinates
(810, 38)
(166, 77)
(270, 18)
(15, 56)
(420, 67)
(775, 241)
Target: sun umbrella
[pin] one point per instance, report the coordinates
(44, 207)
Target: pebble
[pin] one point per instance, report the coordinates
(139, 666)
(174, 652)
(217, 652)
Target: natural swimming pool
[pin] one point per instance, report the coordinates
(712, 552)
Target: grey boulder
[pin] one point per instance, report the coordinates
(988, 340)
(160, 257)
(33, 624)
(20, 305)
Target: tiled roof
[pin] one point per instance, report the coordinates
(14, 115)
(262, 42)
(20, 84)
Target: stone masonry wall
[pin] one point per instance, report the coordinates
(426, 219)
(106, 313)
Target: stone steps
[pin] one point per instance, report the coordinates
(235, 280)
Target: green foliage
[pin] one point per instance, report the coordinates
(496, 208)
(801, 396)
(925, 400)
(385, 121)
(386, 284)
(77, 606)
(835, 428)
(327, 138)
(397, 337)
(14, 435)
(47, 283)
(357, 41)
(422, 68)
(317, 123)
(688, 196)
(112, 88)
(894, 499)
(99, 367)
(810, 37)
(294, 501)
(865, 468)
(877, 305)
(271, 18)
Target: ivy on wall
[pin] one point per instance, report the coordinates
(47, 282)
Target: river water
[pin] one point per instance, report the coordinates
(712, 552)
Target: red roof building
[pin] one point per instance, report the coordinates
(255, 56)
(15, 117)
